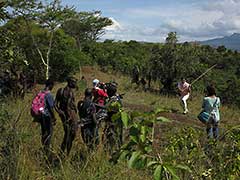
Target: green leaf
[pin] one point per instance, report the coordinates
(159, 110)
(158, 173)
(143, 135)
(125, 119)
(183, 167)
(152, 163)
(163, 119)
(171, 171)
(134, 138)
(134, 158)
(148, 148)
(124, 155)
(134, 131)
(115, 117)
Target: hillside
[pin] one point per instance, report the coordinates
(180, 141)
(230, 42)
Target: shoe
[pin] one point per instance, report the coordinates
(186, 111)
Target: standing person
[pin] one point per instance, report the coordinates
(42, 111)
(99, 92)
(184, 89)
(87, 114)
(67, 110)
(211, 105)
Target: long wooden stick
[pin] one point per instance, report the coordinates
(209, 69)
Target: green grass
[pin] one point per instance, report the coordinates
(81, 165)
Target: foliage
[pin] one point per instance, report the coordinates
(9, 145)
(86, 27)
(138, 150)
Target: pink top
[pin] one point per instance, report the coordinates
(184, 88)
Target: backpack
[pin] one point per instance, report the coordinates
(85, 112)
(38, 104)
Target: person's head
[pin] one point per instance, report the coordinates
(102, 85)
(88, 92)
(95, 82)
(183, 80)
(71, 82)
(111, 88)
(211, 91)
(49, 84)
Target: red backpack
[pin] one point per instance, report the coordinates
(38, 104)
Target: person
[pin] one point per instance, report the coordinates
(211, 105)
(87, 115)
(143, 83)
(184, 89)
(67, 110)
(135, 75)
(113, 130)
(46, 118)
(99, 92)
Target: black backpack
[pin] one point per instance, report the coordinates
(85, 111)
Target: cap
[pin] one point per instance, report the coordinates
(95, 82)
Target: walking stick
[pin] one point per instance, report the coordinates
(209, 69)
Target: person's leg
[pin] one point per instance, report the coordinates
(47, 131)
(209, 128)
(71, 135)
(184, 102)
(66, 132)
(215, 130)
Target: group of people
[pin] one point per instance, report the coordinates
(84, 115)
(88, 113)
(210, 105)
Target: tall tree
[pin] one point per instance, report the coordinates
(86, 26)
(49, 16)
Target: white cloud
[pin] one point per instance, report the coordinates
(192, 22)
(115, 26)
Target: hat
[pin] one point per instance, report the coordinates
(95, 82)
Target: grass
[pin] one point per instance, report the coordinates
(81, 165)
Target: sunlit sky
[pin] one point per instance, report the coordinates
(151, 20)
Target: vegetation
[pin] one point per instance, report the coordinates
(47, 40)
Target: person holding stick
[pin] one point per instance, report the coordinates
(184, 89)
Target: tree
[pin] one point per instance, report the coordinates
(49, 16)
(3, 12)
(172, 61)
(86, 26)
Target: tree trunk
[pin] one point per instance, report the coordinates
(48, 53)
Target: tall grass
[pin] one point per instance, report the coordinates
(21, 149)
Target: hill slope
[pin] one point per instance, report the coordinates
(230, 42)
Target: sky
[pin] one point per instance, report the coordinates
(152, 20)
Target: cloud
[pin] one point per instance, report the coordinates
(115, 25)
(191, 21)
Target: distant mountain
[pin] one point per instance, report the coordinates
(230, 42)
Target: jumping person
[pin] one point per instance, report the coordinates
(184, 89)
(87, 114)
(211, 104)
(67, 110)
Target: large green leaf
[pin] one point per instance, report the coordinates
(183, 167)
(125, 118)
(124, 155)
(143, 135)
(159, 110)
(115, 117)
(158, 173)
(172, 171)
(163, 119)
(152, 163)
(134, 159)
